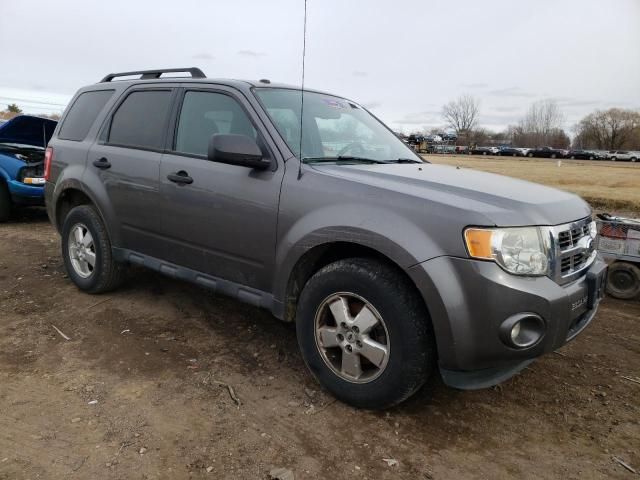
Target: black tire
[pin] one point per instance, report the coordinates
(623, 280)
(5, 202)
(411, 346)
(573, 157)
(530, 155)
(553, 155)
(613, 159)
(107, 274)
(633, 159)
(592, 158)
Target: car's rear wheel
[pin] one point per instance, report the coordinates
(633, 159)
(5, 202)
(553, 155)
(613, 159)
(623, 280)
(365, 333)
(86, 251)
(530, 155)
(573, 157)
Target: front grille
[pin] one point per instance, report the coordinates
(572, 262)
(570, 238)
(572, 250)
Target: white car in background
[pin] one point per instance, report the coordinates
(623, 155)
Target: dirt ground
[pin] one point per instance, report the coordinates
(139, 392)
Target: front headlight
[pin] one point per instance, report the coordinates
(521, 250)
(31, 175)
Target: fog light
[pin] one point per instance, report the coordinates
(522, 330)
(515, 332)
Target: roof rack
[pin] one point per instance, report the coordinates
(153, 74)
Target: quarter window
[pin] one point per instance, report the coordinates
(206, 113)
(141, 120)
(83, 113)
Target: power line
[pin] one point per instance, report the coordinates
(29, 101)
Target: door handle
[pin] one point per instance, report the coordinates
(102, 163)
(180, 177)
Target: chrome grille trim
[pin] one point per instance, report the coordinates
(572, 250)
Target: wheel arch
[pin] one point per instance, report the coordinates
(68, 199)
(317, 257)
(70, 193)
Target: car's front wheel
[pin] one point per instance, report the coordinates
(5, 202)
(530, 155)
(365, 333)
(86, 251)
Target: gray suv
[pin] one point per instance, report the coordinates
(305, 204)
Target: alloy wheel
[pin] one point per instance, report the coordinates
(82, 250)
(352, 337)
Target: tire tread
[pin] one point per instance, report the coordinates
(111, 273)
(419, 350)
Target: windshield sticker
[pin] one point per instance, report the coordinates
(335, 103)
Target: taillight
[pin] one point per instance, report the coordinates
(48, 158)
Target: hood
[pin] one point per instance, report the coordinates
(27, 130)
(504, 201)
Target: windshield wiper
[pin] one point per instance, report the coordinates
(341, 158)
(405, 160)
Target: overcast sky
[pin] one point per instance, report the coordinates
(402, 59)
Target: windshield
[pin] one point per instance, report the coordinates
(333, 129)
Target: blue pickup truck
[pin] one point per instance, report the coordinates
(23, 140)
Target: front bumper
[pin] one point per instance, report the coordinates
(469, 299)
(23, 194)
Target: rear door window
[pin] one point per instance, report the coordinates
(83, 113)
(206, 113)
(141, 120)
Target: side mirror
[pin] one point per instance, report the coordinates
(238, 150)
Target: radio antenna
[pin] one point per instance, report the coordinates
(304, 51)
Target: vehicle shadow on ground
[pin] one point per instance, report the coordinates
(274, 339)
(28, 215)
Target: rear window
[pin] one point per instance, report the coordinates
(141, 120)
(83, 113)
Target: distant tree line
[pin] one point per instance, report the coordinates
(542, 125)
(613, 129)
(14, 110)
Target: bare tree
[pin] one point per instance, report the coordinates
(611, 129)
(462, 114)
(542, 123)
